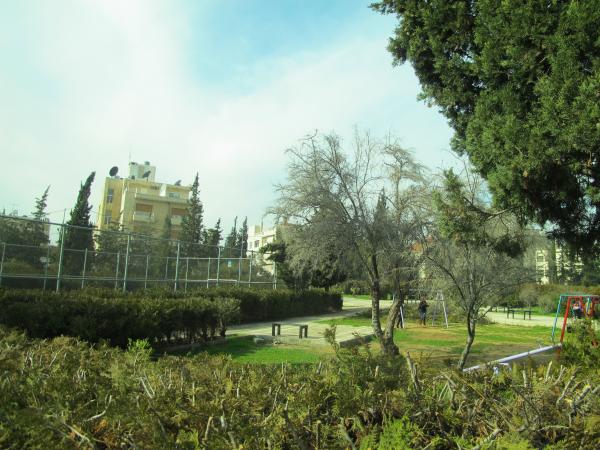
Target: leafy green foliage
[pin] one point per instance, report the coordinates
(157, 315)
(519, 82)
(192, 230)
(64, 393)
(79, 236)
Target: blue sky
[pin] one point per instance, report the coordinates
(215, 87)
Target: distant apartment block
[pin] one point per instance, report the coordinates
(555, 264)
(259, 236)
(140, 204)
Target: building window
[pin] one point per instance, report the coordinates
(110, 195)
(174, 195)
(107, 219)
(256, 244)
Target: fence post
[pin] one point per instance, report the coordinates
(177, 266)
(167, 269)
(117, 271)
(249, 272)
(126, 263)
(218, 265)
(146, 272)
(84, 265)
(208, 272)
(240, 265)
(2, 261)
(45, 267)
(60, 256)
(187, 266)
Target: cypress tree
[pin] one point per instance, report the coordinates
(79, 236)
(231, 241)
(191, 224)
(242, 238)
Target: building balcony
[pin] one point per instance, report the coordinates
(160, 198)
(142, 216)
(176, 220)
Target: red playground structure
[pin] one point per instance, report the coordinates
(577, 306)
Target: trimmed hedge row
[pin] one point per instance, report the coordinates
(161, 321)
(160, 316)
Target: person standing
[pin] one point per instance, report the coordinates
(423, 312)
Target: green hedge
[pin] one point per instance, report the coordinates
(117, 320)
(158, 315)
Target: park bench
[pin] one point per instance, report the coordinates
(525, 312)
(302, 329)
(510, 310)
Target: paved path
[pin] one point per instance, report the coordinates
(536, 320)
(289, 333)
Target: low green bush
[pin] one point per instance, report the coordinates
(158, 315)
(63, 393)
(118, 320)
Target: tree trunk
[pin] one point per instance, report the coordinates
(387, 344)
(470, 338)
(386, 339)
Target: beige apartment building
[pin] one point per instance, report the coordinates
(140, 204)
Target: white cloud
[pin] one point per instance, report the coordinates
(118, 83)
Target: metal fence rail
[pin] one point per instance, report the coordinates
(34, 254)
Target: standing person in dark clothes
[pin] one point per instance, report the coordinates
(423, 312)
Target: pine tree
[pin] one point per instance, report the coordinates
(231, 241)
(34, 231)
(191, 225)
(212, 239)
(79, 235)
(242, 238)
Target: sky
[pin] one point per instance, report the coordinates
(217, 87)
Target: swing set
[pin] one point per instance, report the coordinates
(577, 306)
(439, 305)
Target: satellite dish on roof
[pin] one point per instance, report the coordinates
(146, 174)
(113, 171)
(178, 183)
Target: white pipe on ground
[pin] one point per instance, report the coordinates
(514, 357)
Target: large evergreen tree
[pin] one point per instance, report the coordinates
(242, 238)
(519, 83)
(35, 234)
(212, 239)
(231, 241)
(192, 223)
(78, 234)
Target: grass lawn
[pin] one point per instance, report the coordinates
(492, 341)
(243, 349)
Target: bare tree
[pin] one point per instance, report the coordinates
(345, 200)
(475, 248)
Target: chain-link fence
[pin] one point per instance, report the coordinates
(55, 256)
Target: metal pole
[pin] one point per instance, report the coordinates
(445, 313)
(208, 272)
(218, 265)
(117, 272)
(146, 273)
(2, 260)
(84, 265)
(240, 264)
(250, 272)
(187, 266)
(177, 266)
(167, 269)
(60, 256)
(45, 267)
(126, 263)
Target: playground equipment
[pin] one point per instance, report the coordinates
(577, 306)
(439, 306)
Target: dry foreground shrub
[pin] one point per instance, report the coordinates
(63, 393)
